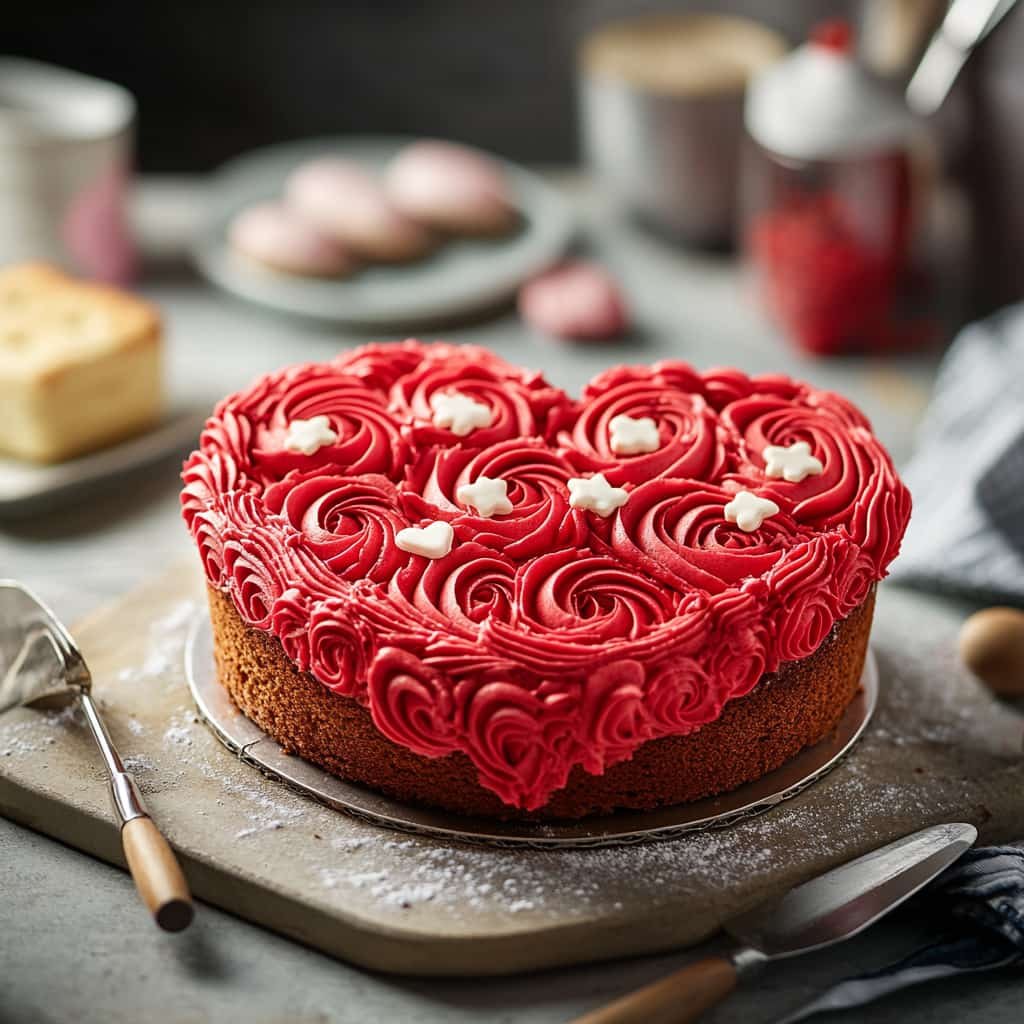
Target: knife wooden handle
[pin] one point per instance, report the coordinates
(678, 999)
(157, 874)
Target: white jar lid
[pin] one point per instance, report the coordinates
(821, 103)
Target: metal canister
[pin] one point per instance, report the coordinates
(661, 105)
(65, 167)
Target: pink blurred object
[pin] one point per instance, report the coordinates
(274, 235)
(451, 188)
(95, 228)
(347, 203)
(576, 300)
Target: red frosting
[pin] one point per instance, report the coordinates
(549, 636)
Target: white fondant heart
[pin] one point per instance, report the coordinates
(433, 541)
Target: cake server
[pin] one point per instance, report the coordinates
(828, 909)
(40, 663)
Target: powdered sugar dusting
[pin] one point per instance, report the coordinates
(28, 732)
(165, 638)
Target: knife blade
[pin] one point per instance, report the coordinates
(825, 910)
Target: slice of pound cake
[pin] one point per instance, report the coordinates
(80, 364)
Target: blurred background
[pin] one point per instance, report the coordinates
(828, 189)
(240, 75)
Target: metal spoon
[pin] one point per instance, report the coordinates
(39, 663)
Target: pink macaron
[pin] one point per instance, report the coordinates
(575, 300)
(341, 199)
(272, 234)
(451, 188)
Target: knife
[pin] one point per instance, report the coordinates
(828, 909)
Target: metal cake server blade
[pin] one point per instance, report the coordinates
(32, 668)
(825, 910)
(40, 663)
(844, 901)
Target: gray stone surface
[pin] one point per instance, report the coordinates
(75, 944)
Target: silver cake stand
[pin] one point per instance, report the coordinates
(256, 748)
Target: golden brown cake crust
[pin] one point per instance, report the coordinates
(787, 711)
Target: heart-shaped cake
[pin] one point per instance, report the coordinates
(436, 574)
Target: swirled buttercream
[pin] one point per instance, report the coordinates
(547, 636)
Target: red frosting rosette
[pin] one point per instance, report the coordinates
(227, 435)
(522, 404)
(411, 703)
(289, 622)
(799, 587)
(378, 366)
(738, 649)
(256, 573)
(469, 586)
(578, 595)
(537, 481)
(616, 716)
(206, 477)
(853, 575)
(523, 742)
(208, 529)
(857, 489)
(341, 646)
(680, 696)
(369, 440)
(668, 393)
(349, 522)
(676, 530)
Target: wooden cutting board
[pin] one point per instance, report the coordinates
(939, 749)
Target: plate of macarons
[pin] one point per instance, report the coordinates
(379, 232)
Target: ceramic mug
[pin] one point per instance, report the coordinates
(65, 168)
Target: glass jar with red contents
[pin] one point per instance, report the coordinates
(829, 205)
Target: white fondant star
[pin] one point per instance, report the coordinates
(792, 463)
(459, 413)
(309, 436)
(748, 511)
(595, 494)
(633, 436)
(432, 541)
(486, 496)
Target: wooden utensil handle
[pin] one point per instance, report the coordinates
(157, 874)
(678, 999)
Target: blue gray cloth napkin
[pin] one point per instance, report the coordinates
(978, 904)
(966, 534)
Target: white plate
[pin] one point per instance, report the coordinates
(242, 736)
(462, 276)
(26, 487)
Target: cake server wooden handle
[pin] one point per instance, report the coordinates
(678, 999)
(157, 874)
(151, 861)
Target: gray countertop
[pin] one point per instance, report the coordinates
(75, 944)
